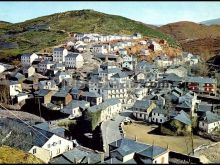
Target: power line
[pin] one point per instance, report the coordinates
(23, 121)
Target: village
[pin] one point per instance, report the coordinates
(90, 92)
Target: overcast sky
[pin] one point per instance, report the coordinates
(156, 13)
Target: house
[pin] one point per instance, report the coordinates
(129, 62)
(137, 35)
(21, 96)
(183, 118)
(60, 76)
(14, 88)
(144, 66)
(45, 65)
(41, 143)
(140, 92)
(142, 109)
(28, 71)
(122, 52)
(143, 42)
(179, 71)
(145, 52)
(163, 61)
(78, 155)
(91, 97)
(61, 98)
(75, 108)
(59, 54)
(130, 151)
(202, 85)
(48, 84)
(107, 70)
(120, 77)
(159, 115)
(81, 48)
(108, 109)
(44, 95)
(74, 60)
(139, 76)
(28, 59)
(209, 121)
(99, 49)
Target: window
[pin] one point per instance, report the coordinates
(58, 151)
(59, 141)
(161, 120)
(34, 150)
(48, 146)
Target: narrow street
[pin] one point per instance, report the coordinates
(110, 129)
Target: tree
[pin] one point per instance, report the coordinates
(201, 69)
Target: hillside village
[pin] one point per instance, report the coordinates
(89, 87)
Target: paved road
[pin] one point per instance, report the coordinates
(111, 131)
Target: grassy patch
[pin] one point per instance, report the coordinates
(10, 155)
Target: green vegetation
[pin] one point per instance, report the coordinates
(10, 155)
(93, 118)
(87, 21)
(175, 128)
(67, 123)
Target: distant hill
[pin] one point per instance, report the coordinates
(197, 38)
(212, 22)
(87, 21)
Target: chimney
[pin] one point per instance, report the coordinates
(102, 157)
(88, 158)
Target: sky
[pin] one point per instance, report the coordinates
(156, 13)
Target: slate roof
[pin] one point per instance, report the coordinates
(58, 49)
(72, 55)
(61, 93)
(172, 77)
(111, 70)
(183, 117)
(152, 151)
(203, 107)
(142, 104)
(210, 117)
(77, 103)
(42, 92)
(201, 80)
(60, 160)
(90, 94)
(185, 104)
(120, 75)
(107, 103)
(127, 146)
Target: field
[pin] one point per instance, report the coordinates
(178, 144)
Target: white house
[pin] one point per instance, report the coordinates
(28, 71)
(60, 76)
(44, 66)
(48, 84)
(27, 59)
(14, 88)
(129, 151)
(163, 61)
(99, 49)
(75, 108)
(59, 54)
(49, 146)
(74, 60)
(209, 122)
(159, 115)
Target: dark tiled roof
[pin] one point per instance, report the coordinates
(127, 146)
(202, 80)
(183, 117)
(152, 151)
(211, 117)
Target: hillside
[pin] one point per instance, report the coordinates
(212, 22)
(10, 155)
(28, 40)
(194, 37)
